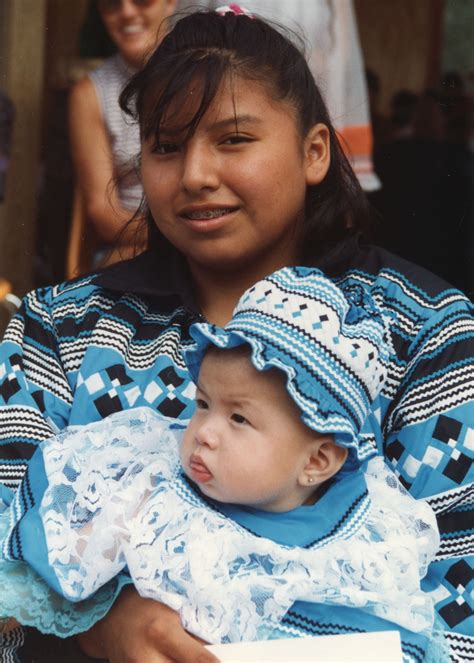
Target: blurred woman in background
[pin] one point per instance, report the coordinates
(104, 145)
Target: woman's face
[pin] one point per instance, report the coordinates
(234, 192)
(134, 25)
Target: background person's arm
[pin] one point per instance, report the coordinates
(93, 162)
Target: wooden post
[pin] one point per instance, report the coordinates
(21, 76)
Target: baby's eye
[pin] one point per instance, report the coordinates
(239, 419)
(201, 404)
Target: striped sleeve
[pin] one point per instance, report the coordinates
(429, 426)
(35, 396)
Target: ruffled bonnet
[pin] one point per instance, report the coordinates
(333, 345)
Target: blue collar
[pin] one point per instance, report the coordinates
(339, 511)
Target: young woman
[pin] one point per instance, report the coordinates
(243, 174)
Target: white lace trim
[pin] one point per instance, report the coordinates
(26, 597)
(115, 499)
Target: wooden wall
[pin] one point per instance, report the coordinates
(22, 51)
(64, 22)
(38, 49)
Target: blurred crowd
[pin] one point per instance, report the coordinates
(423, 156)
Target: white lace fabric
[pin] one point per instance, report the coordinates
(116, 499)
(26, 597)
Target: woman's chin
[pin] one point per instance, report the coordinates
(133, 51)
(223, 260)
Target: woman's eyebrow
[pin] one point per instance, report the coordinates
(170, 133)
(236, 120)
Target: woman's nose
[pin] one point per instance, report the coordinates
(200, 168)
(128, 9)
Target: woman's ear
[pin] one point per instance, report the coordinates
(317, 153)
(325, 460)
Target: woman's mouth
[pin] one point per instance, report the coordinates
(207, 218)
(132, 31)
(198, 470)
(204, 214)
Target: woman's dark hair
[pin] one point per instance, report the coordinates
(206, 47)
(94, 40)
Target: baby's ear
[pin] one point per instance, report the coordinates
(317, 153)
(325, 460)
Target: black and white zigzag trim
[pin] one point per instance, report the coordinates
(10, 643)
(12, 475)
(461, 646)
(452, 499)
(435, 396)
(43, 370)
(25, 422)
(456, 546)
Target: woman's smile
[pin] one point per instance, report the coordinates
(135, 26)
(207, 218)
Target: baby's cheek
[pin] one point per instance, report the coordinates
(184, 449)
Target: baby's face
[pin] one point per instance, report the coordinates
(246, 443)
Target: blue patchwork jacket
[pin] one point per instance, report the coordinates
(79, 351)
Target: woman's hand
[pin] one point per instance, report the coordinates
(139, 630)
(8, 624)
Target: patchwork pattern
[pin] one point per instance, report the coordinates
(460, 581)
(449, 454)
(113, 390)
(449, 431)
(9, 374)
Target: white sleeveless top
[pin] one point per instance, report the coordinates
(109, 80)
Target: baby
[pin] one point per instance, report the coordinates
(271, 513)
(246, 443)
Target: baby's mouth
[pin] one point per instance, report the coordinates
(199, 471)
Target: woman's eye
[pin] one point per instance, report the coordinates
(236, 139)
(165, 148)
(239, 419)
(201, 404)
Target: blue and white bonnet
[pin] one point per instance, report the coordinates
(333, 345)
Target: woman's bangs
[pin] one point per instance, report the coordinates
(180, 99)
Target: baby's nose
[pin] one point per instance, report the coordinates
(207, 435)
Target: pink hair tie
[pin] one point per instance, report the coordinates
(233, 8)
